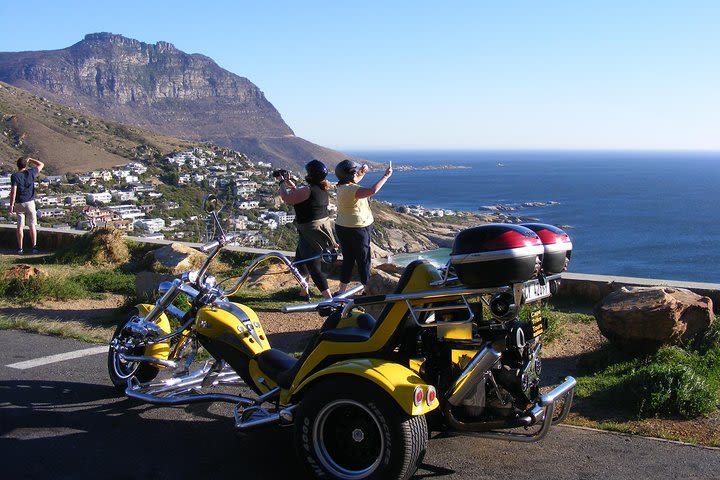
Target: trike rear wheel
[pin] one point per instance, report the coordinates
(351, 429)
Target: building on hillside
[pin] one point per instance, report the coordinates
(281, 216)
(4, 186)
(127, 211)
(99, 198)
(143, 188)
(54, 179)
(246, 204)
(75, 200)
(51, 212)
(47, 201)
(150, 225)
(122, 196)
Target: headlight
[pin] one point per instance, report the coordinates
(190, 277)
(210, 282)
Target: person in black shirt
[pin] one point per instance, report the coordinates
(311, 219)
(22, 198)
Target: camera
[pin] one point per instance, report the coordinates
(281, 173)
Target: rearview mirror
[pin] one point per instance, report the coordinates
(210, 203)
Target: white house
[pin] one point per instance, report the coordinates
(101, 197)
(121, 196)
(282, 217)
(150, 225)
(127, 211)
(47, 201)
(50, 212)
(246, 204)
(75, 200)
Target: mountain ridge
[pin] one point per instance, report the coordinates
(160, 88)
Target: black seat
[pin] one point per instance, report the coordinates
(274, 363)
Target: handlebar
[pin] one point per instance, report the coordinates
(218, 242)
(311, 307)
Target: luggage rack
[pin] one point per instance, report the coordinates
(458, 294)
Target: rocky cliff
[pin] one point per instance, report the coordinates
(163, 89)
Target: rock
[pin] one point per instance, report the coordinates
(643, 319)
(24, 272)
(380, 283)
(273, 277)
(176, 259)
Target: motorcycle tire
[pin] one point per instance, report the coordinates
(350, 428)
(120, 371)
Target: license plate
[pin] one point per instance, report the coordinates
(535, 291)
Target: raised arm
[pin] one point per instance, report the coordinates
(291, 194)
(40, 165)
(370, 191)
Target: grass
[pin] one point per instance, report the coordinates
(674, 381)
(262, 301)
(68, 329)
(90, 285)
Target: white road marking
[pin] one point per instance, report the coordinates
(58, 358)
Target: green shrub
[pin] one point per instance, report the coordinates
(107, 281)
(673, 381)
(675, 389)
(41, 288)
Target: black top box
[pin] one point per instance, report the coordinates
(496, 254)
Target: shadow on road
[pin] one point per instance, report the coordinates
(76, 430)
(83, 431)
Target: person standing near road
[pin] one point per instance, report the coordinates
(354, 219)
(22, 198)
(311, 219)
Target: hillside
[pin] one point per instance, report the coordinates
(160, 88)
(68, 140)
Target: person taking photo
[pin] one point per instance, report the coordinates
(354, 219)
(315, 231)
(22, 199)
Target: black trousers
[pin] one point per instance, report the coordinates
(355, 247)
(304, 250)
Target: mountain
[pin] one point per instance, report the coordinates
(69, 140)
(160, 88)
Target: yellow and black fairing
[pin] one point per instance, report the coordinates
(359, 346)
(159, 350)
(233, 332)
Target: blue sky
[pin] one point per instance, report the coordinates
(439, 75)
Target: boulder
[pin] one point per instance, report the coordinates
(175, 259)
(272, 277)
(379, 283)
(643, 319)
(24, 272)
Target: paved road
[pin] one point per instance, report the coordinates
(63, 420)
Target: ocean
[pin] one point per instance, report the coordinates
(638, 214)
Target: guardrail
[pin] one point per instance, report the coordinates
(582, 287)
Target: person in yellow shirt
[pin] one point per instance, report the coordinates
(354, 219)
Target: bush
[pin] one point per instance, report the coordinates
(673, 381)
(664, 388)
(104, 246)
(40, 288)
(107, 281)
